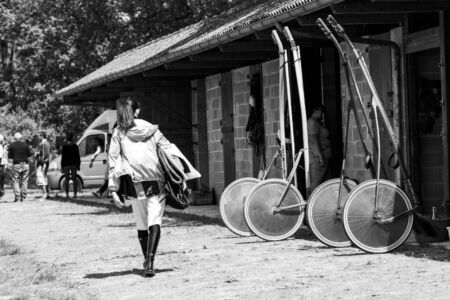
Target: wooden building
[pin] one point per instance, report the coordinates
(196, 84)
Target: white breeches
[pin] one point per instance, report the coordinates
(148, 212)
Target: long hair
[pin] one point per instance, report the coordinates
(125, 113)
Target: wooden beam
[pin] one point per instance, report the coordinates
(99, 96)
(354, 19)
(263, 35)
(249, 46)
(73, 100)
(303, 34)
(422, 40)
(201, 65)
(231, 56)
(368, 7)
(133, 78)
(119, 83)
(111, 89)
(199, 73)
(384, 1)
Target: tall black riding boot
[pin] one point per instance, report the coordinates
(153, 240)
(143, 240)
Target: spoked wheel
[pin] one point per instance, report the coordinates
(323, 216)
(360, 222)
(261, 217)
(232, 205)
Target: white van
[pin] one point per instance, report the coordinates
(92, 172)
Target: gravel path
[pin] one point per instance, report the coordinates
(96, 247)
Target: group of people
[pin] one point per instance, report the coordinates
(20, 154)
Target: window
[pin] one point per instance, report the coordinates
(93, 141)
(82, 148)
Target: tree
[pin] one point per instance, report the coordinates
(46, 45)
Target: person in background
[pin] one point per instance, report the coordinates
(3, 162)
(20, 152)
(99, 193)
(98, 150)
(70, 164)
(318, 154)
(42, 161)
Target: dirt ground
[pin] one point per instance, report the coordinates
(95, 247)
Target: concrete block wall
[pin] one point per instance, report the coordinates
(215, 149)
(271, 113)
(355, 163)
(243, 151)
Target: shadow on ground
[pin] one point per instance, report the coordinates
(182, 219)
(190, 220)
(110, 208)
(134, 271)
(427, 251)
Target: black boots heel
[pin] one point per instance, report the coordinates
(143, 241)
(153, 241)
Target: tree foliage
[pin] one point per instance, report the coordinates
(47, 44)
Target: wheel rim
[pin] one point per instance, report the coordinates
(232, 205)
(359, 220)
(322, 209)
(259, 215)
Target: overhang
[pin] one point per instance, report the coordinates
(194, 39)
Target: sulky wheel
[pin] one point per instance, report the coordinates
(261, 217)
(323, 216)
(232, 204)
(359, 216)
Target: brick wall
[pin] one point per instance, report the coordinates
(215, 149)
(243, 151)
(356, 159)
(271, 113)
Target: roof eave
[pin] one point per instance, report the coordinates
(197, 48)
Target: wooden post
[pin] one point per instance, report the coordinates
(444, 22)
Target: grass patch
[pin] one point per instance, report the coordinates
(8, 249)
(22, 277)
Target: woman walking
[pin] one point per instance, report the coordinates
(133, 152)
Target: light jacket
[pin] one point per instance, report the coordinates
(3, 159)
(134, 153)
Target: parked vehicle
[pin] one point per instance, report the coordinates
(92, 171)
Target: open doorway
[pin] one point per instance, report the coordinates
(426, 124)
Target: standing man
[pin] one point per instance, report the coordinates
(70, 164)
(3, 162)
(42, 162)
(19, 152)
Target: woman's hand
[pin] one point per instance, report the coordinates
(116, 200)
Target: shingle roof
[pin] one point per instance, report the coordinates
(194, 39)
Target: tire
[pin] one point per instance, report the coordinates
(62, 183)
(259, 214)
(232, 205)
(322, 212)
(359, 221)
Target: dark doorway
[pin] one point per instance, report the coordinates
(427, 129)
(228, 128)
(321, 83)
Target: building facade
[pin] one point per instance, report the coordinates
(197, 84)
